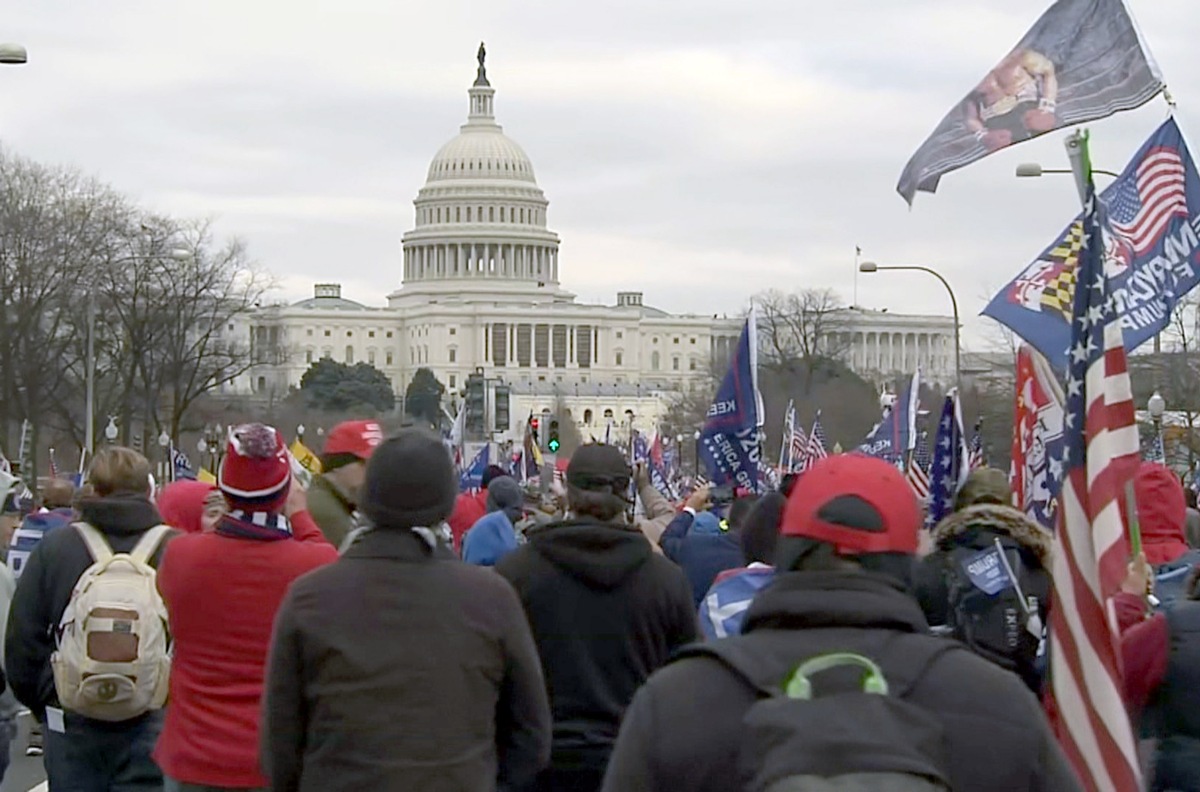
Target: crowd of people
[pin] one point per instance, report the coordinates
(383, 631)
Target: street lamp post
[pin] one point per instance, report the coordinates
(89, 420)
(1033, 170)
(871, 266)
(110, 431)
(13, 55)
(696, 438)
(1156, 406)
(164, 440)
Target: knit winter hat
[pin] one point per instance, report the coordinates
(505, 494)
(255, 473)
(410, 482)
(858, 504)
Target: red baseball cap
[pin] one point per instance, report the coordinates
(354, 437)
(856, 503)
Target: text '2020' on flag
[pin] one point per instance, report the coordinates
(729, 442)
(1081, 61)
(896, 433)
(1100, 457)
(1151, 251)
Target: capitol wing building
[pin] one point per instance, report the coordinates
(480, 290)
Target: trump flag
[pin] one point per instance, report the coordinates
(1151, 253)
(729, 442)
(1081, 61)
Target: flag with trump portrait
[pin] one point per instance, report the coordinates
(1082, 60)
(1151, 254)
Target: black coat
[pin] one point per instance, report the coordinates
(606, 611)
(682, 732)
(46, 584)
(400, 668)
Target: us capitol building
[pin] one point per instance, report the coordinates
(480, 289)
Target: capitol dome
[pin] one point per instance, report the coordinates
(481, 216)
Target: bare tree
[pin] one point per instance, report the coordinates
(799, 330)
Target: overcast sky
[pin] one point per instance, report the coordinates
(699, 151)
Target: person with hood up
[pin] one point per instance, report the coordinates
(1162, 515)
(701, 543)
(83, 753)
(222, 589)
(493, 536)
(399, 667)
(470, 507)
(606, 611)
(845, 561)
(994, 624)
(190, 506)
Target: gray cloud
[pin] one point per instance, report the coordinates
(698, 150)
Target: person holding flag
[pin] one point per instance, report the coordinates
(333, 495)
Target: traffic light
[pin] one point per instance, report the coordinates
(476, 404)
(503, 420)
(553, 443)
(533, 429)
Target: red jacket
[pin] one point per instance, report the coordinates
(1144, 650)
(467, 511)
(222, 594)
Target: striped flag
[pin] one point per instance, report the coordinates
(816, 443)
(918, 468)
(950, 464)
(1144, 205)
(1100, 457)
(976, 458)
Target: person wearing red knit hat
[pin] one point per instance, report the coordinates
(333, 496)
(842, 597)
(222, 589)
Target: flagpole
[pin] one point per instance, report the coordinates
(787, 435)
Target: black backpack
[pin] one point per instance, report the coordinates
(838, 722)
(997, 620)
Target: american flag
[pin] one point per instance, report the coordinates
(1148, 199)
(976, 458)
(918, 467)
(816, 443)
(795, 443)
(950, 465)
(1100, 456)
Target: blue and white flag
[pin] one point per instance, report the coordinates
(896, 433)
(730, 443)
(1151, 254)
(181, 465)
(988, 571)
(951, 462)
(471, 477)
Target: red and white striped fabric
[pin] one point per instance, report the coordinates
(1090, 549)
(918, 479)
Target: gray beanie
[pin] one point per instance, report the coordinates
(410, 482)
(504, 494)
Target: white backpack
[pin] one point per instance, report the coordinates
(113, 660)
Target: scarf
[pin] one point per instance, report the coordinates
(262, 526)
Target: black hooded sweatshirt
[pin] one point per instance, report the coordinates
(46, 584)
(606, 611)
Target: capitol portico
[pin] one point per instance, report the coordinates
(480, 289)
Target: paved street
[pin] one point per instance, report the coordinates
(24, 774)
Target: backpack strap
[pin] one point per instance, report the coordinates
(97, 546)
(148, 544)
(905, 659)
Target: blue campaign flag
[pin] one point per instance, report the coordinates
(1151, 254)
(182, 465)
(896, 433)
(729, 442)
(471, 477)
(950, 461)
(988, 571)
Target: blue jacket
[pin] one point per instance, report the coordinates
(32, 529)
(702, 548)
(490, 539)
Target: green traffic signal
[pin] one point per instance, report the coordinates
(553, 445)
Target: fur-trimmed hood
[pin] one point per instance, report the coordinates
(1001, 519)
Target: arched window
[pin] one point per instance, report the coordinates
(654, 361)
(620, 357)
(262, 384)
(608, 413)
(349, 354)
(491, 214)
(675, 364)
(587, 417)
